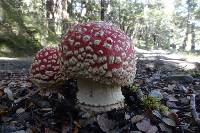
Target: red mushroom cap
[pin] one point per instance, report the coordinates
(45, 69)
(98, 51)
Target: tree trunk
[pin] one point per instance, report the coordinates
(187, 28)
(193, 37)
(50, 15)
(103, 9)
(1, 12)
(146, 38)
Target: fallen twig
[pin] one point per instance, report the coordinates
(194, 112)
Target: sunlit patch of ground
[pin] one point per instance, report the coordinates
(183, 60)
(8, 58)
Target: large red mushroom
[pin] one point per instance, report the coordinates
(102, 59)
(45, 70)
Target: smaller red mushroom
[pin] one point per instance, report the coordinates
(45, 70)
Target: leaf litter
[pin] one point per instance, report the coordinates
(24, 109)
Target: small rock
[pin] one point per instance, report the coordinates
(184, 125)
(156, 94)
(20, 131)
(174, 110)
(20, 110)
(9, 93)
(127, 116)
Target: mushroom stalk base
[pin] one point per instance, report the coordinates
(95, 97)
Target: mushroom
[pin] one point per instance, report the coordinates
(45, 70)
(102, 59)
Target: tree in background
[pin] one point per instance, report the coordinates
(15, 36)
(185, 19)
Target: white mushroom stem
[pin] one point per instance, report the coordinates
(95, 97)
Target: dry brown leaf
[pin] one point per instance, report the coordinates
(1, 93)
(47, 130)
(75, 130)
(3, 110)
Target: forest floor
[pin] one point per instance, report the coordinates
(174, 84)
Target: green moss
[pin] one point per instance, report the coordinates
(150, 102)
(153, 103)
(134, 88)
(194, 73)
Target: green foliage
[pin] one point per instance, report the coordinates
(194, 73)
(134, 88)
(17, 46)
(152, 103)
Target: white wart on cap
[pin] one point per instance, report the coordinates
(45, 70)
(102, 59)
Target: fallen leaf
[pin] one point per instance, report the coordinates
(174, 117)
(153, 129)
(165, 128)
(171, 104)
(12, 84)
(169, 122)
(185, 100)
(144, 125)
(137, 118)
(172, 98)
(104, 123)
(157, 114)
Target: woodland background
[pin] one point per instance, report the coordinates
(28, 25)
